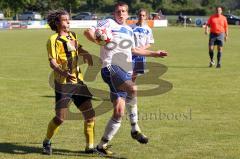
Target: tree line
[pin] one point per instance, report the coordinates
(169, 7)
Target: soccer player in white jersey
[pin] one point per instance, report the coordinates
(143, 38)
(116, 69)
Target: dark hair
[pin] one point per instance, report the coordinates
(219, 7)
(121, 4)
(53, 18)
(143, 10)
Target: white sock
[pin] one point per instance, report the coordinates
(110, 130)
(90, 146)
(132, 109)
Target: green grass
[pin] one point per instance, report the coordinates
(204, 101)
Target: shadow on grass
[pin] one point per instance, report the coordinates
(93, 98)
(20, 149)
(188, 67)
(48, 96)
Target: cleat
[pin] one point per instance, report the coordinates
(141, 138)
(90, 150)
(104, 151)
(218, 65)
(47, 149)
(212, 63)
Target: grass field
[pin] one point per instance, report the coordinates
(198, 118)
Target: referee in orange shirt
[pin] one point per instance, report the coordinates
(218, 34)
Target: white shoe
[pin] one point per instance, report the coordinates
(212, 63)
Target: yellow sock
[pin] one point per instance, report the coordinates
(52, 129)
(89, 133)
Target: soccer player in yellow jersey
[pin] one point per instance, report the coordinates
(63, 53)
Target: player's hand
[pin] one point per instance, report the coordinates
(161, 53)
(206, 32)
(225, 38)
(67, 74)
(87, 58)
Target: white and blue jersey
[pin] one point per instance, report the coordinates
(116, 57)
(142, 37)
(118, 51)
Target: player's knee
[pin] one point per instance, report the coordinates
(89, 115)
(132, 90)
(118, 114)
(119, 106)
(58, 120)
(211, 48)
(220, 49)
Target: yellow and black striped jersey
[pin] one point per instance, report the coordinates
(64, 49)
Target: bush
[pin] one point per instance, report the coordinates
(138, 6)
(236, 12)
(185, 11)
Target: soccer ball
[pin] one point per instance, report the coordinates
(103, 36)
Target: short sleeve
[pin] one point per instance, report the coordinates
(209, 21)
(133, 40)
(101, 23)
(150, 39)
(104, 23)
(51, 48)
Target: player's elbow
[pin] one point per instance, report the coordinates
(136, 51)
(52, 63)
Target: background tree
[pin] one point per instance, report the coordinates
(187, 7)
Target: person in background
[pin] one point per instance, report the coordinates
(143, 38)
(218, 34)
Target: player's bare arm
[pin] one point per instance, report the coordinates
(90, 35)
(226, 35)
(207, 29)
(143, 52)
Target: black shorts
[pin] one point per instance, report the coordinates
(216, 39)
(66, 93)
